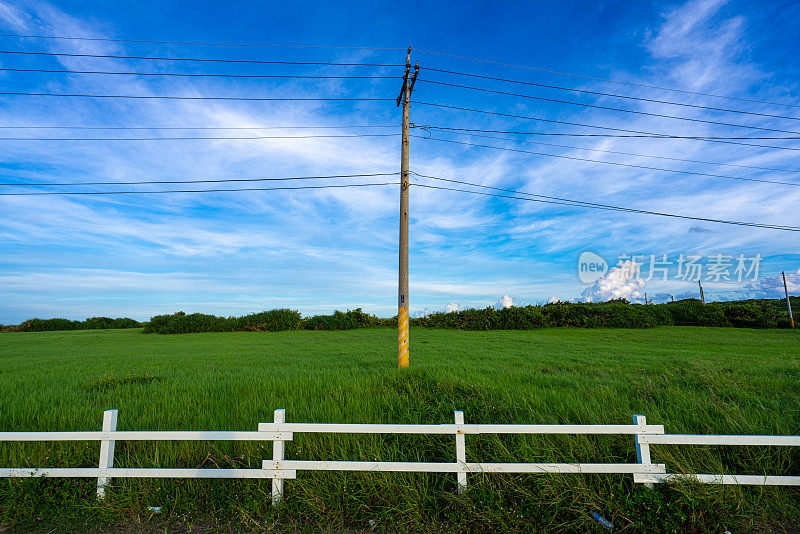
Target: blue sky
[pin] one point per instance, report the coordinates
(235, 253)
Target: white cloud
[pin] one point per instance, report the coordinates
(621, 281)
(506, 301)
(13, 17)
(452, 307)
(703, 49)
(772, 286)
(424, 312)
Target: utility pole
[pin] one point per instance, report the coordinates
(402, 294)
(702, 295)
(788, 302)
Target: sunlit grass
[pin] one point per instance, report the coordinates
(692, 380)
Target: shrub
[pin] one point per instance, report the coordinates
(515, 317)
(93, 323)
(692, 312)
(619, 313)
(107, 322)
(46, 325)
(520, 317)
(342, 321)
(269, 321)
(612, 314)
(753, 316)
(181, 323)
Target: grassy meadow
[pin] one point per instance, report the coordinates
(690, 379)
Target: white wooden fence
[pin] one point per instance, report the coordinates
(279, 468)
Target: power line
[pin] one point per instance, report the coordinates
(609, 108)
(205, 181)
(195, 190)
(447, 130)
(168, 97)
(6, 127)
(216, 75)
(614, 95)
(629, 165)
(348, 126)
(570, 134)
(259, 45)
(195, 138)
(204, 60)
(582, 204)
(629, 210)
(647, 134)
(633, 84)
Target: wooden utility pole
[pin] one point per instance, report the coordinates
(402, 294)
(788, 302)
(702, 295)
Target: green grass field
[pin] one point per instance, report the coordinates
(692, 380)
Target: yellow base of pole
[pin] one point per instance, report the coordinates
(402, 337)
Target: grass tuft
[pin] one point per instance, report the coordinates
(112, 381)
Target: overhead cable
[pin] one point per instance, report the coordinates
(616, 163)
(194, 190)
(709, 139)
(609, 108)
(614, 95)
(581, 204)
(633, 84)
(203, 60)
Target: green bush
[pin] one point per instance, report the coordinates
(692, 312)
(269, 321)
(612, 314)
(753, 313)
(342, 321)
(46, 325)
(513, 318)
(102, 323)
(93, 323)
(753, 316)
(520, 317)
(181, 323)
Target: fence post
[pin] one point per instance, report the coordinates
(277, 455)
(461, 451)
(642, 449)
(106, 451)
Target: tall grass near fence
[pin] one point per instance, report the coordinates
(693, 380)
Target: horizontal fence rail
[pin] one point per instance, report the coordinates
(694, 439)
(156, 435)
(742, 480)
(122, 472)
(338, 428)
(279, 468)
